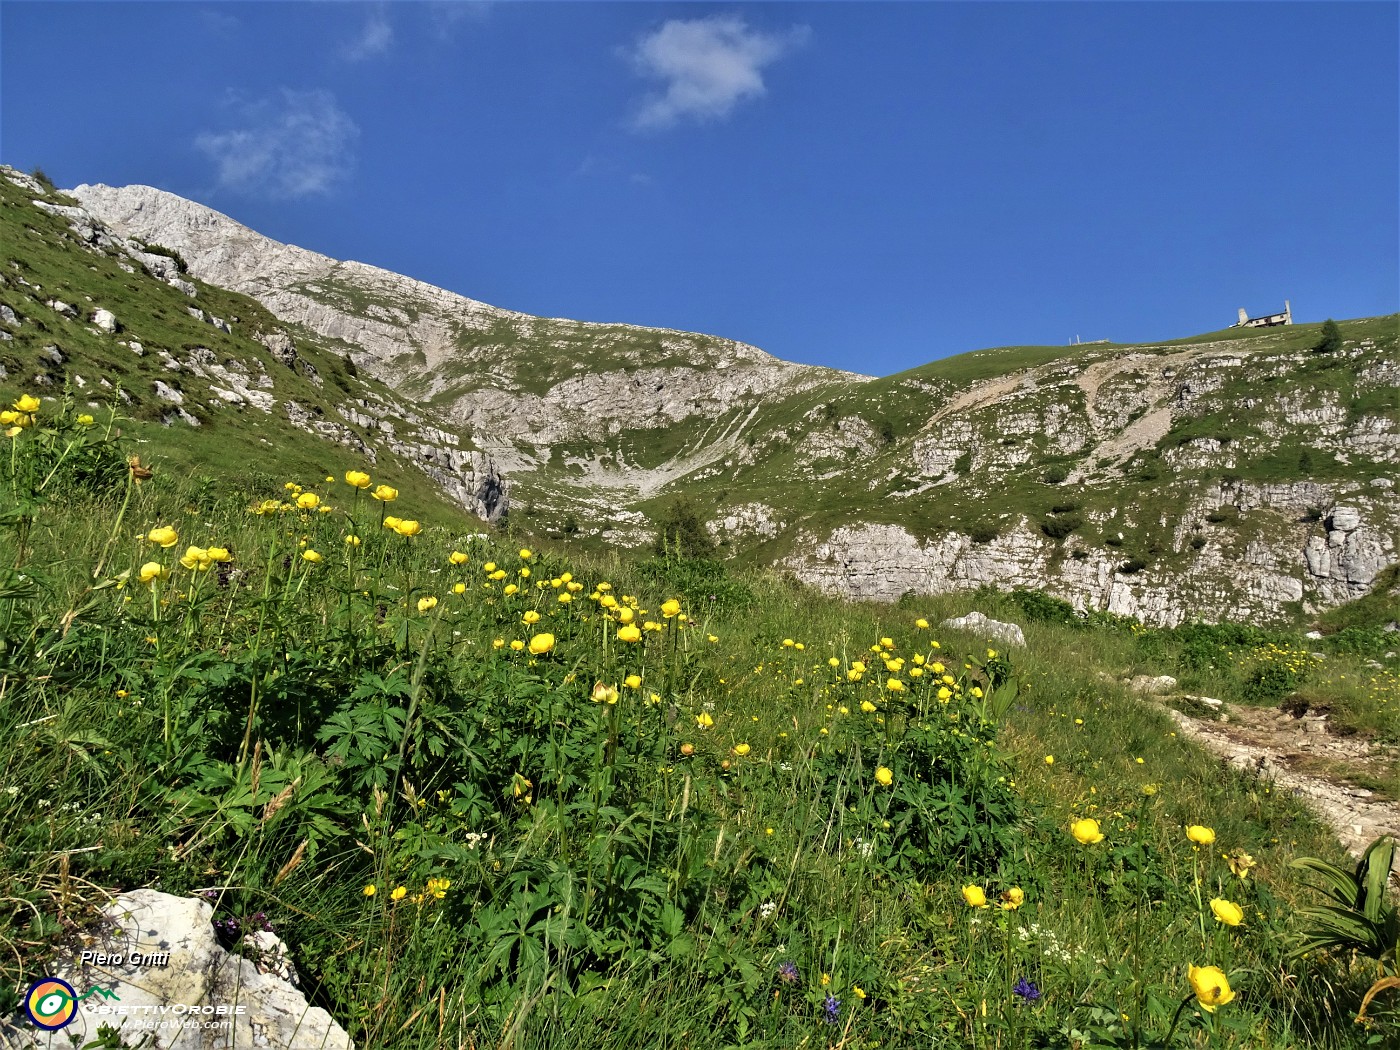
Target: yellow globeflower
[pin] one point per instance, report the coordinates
(86, 420)
(541, 644)
(703, 720)
(219, 554)
(604, 694)
(352, 540)
(308, 501)
(1013, 898)
(1049, 760)
(629, 633)
(517, 645)
(399, 892)
(1211, 987)
(525, 554)
(152, 571)
(741, 749)
(633, 681)
(311, 556)
(385, 493)
(459, 588)
(391, 522)
(358, 478)
(921, 624)
(424, 604)
(945, 694)
(164, 535)
(670, 607)
(196, 558)
(509, 589)
(1086, 831)
(975, 896)
(489, 567)
(1200, 834)
(894, 685)
(27, 403)
(1228, 912)
(867, 707)
(625, 615)
(884, 775)
(530, 616)
(408, 528)
(370, 890)
(457, 558)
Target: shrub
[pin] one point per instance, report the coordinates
(1056, 473)
(1224, 515)
(984, 532)
(1044, 608)
(1330, 339)
(1060, 526)
(680, 531)
(1132, 566)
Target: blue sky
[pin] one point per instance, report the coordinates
(864, 185)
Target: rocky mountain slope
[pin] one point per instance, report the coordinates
(1236, 475)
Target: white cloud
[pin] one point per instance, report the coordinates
(374, 38)
(709, 65)
(295, 144)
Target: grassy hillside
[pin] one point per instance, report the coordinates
(504, 797)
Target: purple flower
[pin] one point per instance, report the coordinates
(1026, 990)
(832, 1006)
(787, 973)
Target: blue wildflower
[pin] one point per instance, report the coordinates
(832, 1006)
(787, 973)
(1026, 990)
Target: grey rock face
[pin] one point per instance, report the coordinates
(192, 978)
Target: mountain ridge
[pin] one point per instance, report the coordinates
(1165, 481)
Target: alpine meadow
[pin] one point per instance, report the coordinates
(384, 668)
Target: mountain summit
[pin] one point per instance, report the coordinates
(1243, 474)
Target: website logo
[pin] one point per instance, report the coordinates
(52, 1003)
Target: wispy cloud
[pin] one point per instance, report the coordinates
(708, 66)
(447, 15)
(374, 39)
(294, 144)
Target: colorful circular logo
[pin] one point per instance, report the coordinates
(51, 1003)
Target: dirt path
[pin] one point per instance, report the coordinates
(1294, 754)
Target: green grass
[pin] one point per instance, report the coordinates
(618, 874)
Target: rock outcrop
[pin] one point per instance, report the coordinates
(154, 968)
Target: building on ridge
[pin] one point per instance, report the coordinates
(1267, 321)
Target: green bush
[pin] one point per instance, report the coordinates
(1059, 526)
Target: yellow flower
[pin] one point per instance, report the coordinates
(219, 554)
(944, 693)
(894, 685)
(974, 896)
(833, 662)
(670, 608)
(530, 616)
(1211, 987)
(541, 644)
(308, 501)
(424, 604)
(517, 645)
(1086, 831)
(1228, 912)
(633, 681)
(498, 643)
(391, 522)
(489, 567)
(525, 554)
(311, 556)
(1201, 835)
(741, 749)
(86, 420)
(459, 588)
(1049, 760)
(509, 589)
(887, 643)
(408, 528)
(884, 775)
(565, 599)
(353, 541)
(1013, 898)
(521, 785)
(152, 571)
(604, 694)
(825, 980)
(27, 403)
(921, 624)
(358, 478)
(703, 720)
(164, 535)
(457, 558)
(858, 667)
(370, 890)
(858, 990)
(384, 493)
(1240, 862)
(14, 432)
(628, 633)
(867, 707)
(399, 891)
(196, 558)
